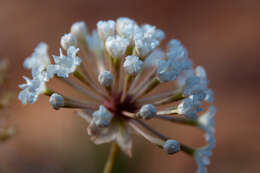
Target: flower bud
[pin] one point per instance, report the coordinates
(68, 40)
(56, 101)
(79, 30)
(171, 147)
(105, 78)
(105, 29)
(147, 111)
(116, 46)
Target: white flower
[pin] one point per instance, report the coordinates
(147, 111)
(39, 58)
(56, 101)
(68, 40)
(102, 117)
(79, 30)
(116, 46)
(105, 78)
(207, 120)
(33, 88)
(64, 65)
(171, 146)
(133, 65)
(127, 28)
(106, 29)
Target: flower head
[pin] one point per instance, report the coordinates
(122, 71)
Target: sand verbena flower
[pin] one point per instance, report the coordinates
(121, 67)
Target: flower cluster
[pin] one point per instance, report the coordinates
(127, 80)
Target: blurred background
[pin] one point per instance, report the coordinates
(221, 35)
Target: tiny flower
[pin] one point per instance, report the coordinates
(68, 40)
(133, 65)
(176, 63)
(196, 83)
(102, 117)
(201, 157)
(39, 58)
(105, 78)
(106, 29)
(56, 101)
(147, 111)
(126, 28)
(189, 106)
(147, 39)
(207, 120)
(171, 147)
(32, 89)
(64, 65)
(116, 46)
(79, 30)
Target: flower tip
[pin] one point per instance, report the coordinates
(68, 40)
(79, 30)
(147, 111)
(171, 146)
(105, 78)
(56, 101)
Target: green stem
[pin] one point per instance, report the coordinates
(188, 150)
(111, 158)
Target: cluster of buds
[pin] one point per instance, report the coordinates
(127, 80)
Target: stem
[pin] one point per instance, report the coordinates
(111, 158)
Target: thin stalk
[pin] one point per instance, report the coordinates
(111, 158)
(179, 120)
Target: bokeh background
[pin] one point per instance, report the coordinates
(221, 35)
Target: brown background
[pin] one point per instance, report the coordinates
(221, 35)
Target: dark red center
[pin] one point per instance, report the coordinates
(116, 106)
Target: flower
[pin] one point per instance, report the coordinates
(123, 68)
(39, 58)
(79, 30)
(68, 40)
(116, 46)
(133, 65)
(64, 65)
